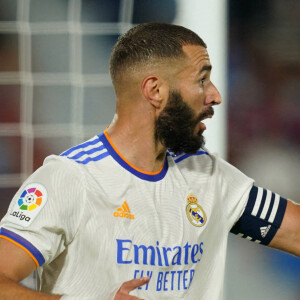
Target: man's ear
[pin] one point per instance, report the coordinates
(155, 90)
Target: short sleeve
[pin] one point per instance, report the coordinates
(45, 213)
(233, 187)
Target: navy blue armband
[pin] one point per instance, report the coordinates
(262, 216)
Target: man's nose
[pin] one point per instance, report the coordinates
(213, 96)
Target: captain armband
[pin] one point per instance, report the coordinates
(262, 216)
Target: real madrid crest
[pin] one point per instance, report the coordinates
(195, 212)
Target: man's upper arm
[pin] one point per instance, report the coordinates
(287, 237)
(271, 220)
(262, 216)
(15, 263)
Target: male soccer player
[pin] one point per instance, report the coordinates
(141, 210)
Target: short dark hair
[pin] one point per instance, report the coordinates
(150, 41)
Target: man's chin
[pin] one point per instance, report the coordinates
(192, 146)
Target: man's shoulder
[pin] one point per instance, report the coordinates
(202, 154)
(92, 150)
(200, 163)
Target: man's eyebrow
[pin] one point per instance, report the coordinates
(205, 68)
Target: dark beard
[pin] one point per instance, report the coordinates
(176, 124)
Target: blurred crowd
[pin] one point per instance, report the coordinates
(264, 92)
(264, 130)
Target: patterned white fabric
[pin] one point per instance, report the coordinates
(106, 222)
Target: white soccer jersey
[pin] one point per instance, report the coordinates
(91, 221)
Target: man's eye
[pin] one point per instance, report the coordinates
(202, 81)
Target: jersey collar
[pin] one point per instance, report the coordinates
(113, 151)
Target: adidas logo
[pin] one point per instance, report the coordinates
(264, 230)
(123, 212)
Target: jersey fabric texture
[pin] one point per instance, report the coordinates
(104, 222)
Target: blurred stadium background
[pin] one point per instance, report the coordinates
(55, 91)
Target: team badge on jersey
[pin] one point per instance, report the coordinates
(195, 212)
(28, 205)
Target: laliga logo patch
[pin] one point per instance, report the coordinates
(30, 199)
(195, 212)
(29, 204)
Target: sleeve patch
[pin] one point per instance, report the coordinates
(30, 202)
(34, 253)
(262, 216)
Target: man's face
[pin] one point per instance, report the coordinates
(179, 125)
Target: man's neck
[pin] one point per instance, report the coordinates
(137, 145)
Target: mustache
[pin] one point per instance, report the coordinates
(208, 112)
